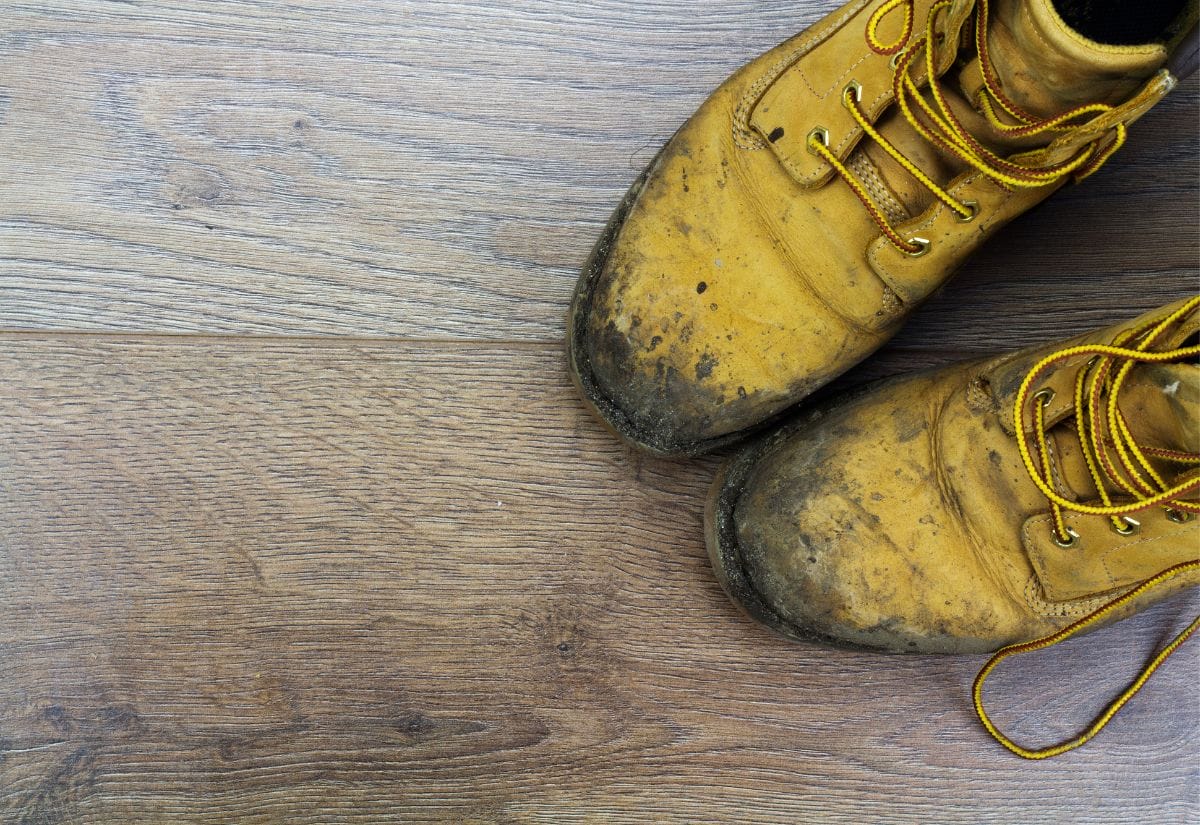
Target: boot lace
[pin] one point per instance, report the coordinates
(937, 123)
(1115, 461)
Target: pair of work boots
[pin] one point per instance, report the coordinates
(787, 230)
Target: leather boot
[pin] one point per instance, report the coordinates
(979, 505)
(828, 187)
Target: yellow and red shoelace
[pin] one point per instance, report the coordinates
(1114, 460)
(937, 123)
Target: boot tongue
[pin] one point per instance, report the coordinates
(1161, 405)
(1047, 68)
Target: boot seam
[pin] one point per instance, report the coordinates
(743, 135)
(979, 548)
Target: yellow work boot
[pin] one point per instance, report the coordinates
(983, 504)
(828, 187)
(1012, 501)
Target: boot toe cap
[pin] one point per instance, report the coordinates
(844, 531)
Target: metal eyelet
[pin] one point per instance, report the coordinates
(855, 87)
(1131, 526)
(922, 245)
(1072, 540)
(1179, 516)
(895, 61)
(1045, 396)
(973, 208)
(821, 134)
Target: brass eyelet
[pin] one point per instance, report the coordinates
(1131, 526)
(1072, 538)
(1045, 396)
(821, 134)
(1179, 516)
(854, 87)
(972, 208)
(895, 61)
(922, 245)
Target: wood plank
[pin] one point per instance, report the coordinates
(440, 170)
(336, 582)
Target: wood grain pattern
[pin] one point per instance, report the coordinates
(347, 582)
(438, 170)
(301, 521)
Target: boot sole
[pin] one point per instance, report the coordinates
(579, 365)
(720, 536)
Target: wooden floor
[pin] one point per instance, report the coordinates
(302, 522)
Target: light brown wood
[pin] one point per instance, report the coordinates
(302, 522)
(348, 581)
(438, 169)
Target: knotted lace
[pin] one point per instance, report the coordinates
(937, 123)
(1121, 469)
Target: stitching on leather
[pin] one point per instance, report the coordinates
(1037, 33)
(1121, 548)
(884, 95)
(852, 135)
(1058, 409)
(1054, 414)
(836, 81)
(742, 134)
(855, 132)
(1036, 599)
(741, 122)
(1025, 530)
(1061, 27)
